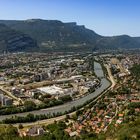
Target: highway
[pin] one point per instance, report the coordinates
(110, 76)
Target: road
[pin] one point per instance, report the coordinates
(44, 122)
(8, 94)
(110, 76)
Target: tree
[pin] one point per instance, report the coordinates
(30, 117)
(11, 131)
(29, 105)
(66, 98)
(20, 126)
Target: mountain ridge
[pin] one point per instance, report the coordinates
(54, 35)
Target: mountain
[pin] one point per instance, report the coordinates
(118, 42)
(54, 35)
(13, 41)
(137, 39)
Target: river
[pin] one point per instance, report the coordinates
(67, 106)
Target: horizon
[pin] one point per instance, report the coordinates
(110, 18)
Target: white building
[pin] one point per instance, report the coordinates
(56, 91)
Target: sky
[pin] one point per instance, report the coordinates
(105, 17)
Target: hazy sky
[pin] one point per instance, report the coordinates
(106, 17)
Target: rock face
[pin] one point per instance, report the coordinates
(13, 41)
(54, 35)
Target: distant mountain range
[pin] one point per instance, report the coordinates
(54, 35)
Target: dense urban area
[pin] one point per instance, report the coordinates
(71, 96)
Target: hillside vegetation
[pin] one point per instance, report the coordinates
(54, 35)
(13, 41)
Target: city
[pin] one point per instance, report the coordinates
(63, 80)
(69, 70)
